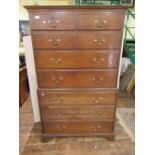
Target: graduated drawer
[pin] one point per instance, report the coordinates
(74, 97)
(77, 112)
(101, 21)
(76, 58)
(52, 21)
(77, 78)
(77, 127)
(77, 40)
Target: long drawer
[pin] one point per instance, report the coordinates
(78, 127)
(52, 21)
(101, 21)
(74, 97)
(83, 112)
(77, 78)
(77, 40)
(76, 59)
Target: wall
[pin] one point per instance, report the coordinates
(23, 15)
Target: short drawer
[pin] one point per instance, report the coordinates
(76, 59)
(77, 40)
(101, 21)
(76, 97)
(78, 112)
(77, 78)
(78, 127)
(52, 21)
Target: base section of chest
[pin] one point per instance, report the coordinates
(78, 112)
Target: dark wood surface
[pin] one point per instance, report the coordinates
(77, 112)
(52, 21)
(82, 127)
(77, 78)
(77, 48)
(49, 98)
(23, 88)
(76, 59)
(76, 40)
(101, 21)
(81, 21)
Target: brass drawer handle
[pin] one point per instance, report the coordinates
(97, 80)
(98, 61)
(59, 114)
(59, 128)
(99, 112)
(55, 61)
(55, 42)
(95, 128)
(97, 100)
(99, 42)
(57, 79)
(100, 24)
(54, 24)
(57, 100)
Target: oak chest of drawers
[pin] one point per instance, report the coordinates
(77, 52)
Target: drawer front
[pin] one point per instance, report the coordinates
(52, 21)
(49, 98)
(77, 40)
(77, 78)
(78, 112)
(101, 21)
(76, 59)
(78, 127)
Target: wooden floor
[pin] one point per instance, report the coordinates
(31, 143)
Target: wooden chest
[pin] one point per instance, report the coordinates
(77, 52)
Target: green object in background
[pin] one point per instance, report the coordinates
(117, 2)
(98, 2)
(129, 44)
(77, 1)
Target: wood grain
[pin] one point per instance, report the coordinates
(52, 21)
(78, 97)
(76, 59)
(77, 78)
(77, 52)
(77, 112)
(101, 21)
(78, 127)
(76, 40)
